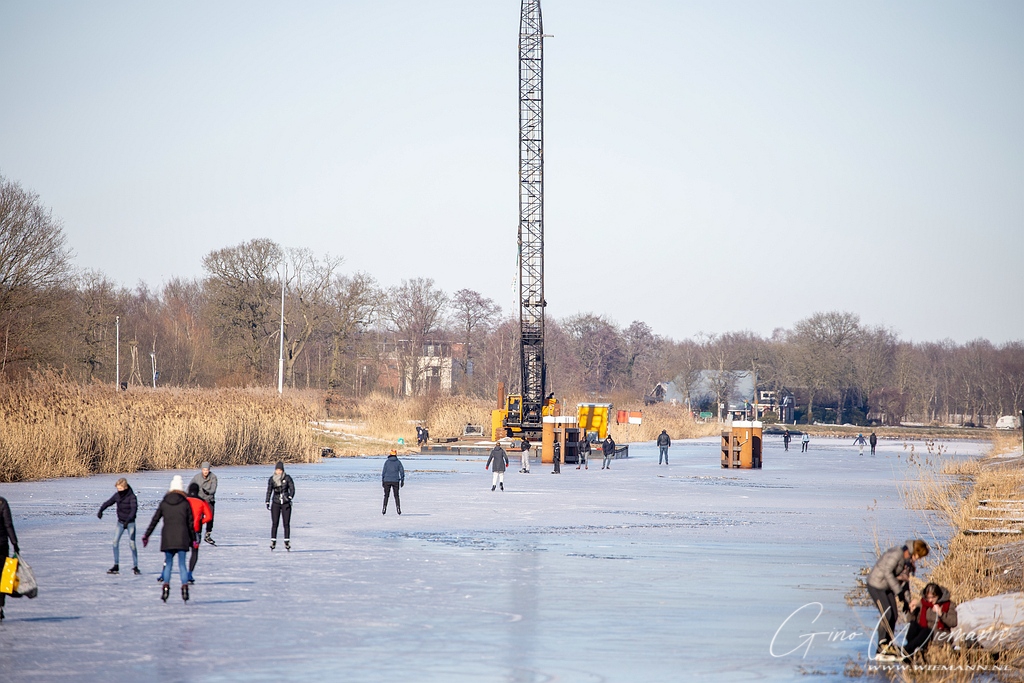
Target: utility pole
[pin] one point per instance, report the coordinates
(280, 359)
(531, 213)
(117, 347)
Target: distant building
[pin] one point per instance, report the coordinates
(407, 369)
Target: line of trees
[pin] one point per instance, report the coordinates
(345, 333)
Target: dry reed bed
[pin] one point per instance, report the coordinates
(970, 566)
(55, 428)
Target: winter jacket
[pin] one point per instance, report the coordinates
(284, 493)
(498, 458)
(608, 446)
(176, 512)
(127, 505)
(873, 440)
(207, 486)
(663, 440)
(925, 616)
(7, 535)
(886, 573)
(393, 472)
(201, 513)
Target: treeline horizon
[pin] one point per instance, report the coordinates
(346, 334)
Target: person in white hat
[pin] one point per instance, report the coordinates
(176, 537)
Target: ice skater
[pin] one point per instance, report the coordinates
(889, 579)
(127, 507)
(584, 451)
(393, 478)
(280, 492)
(786, 438)
(805, 442)
(664, 443)
(201, 513)
(873, 440)
(860, 441)
(497, 461)
(207, 481)
(557, 459)
(177, 535)
(608, 448)
(525, 456)
(7, 539)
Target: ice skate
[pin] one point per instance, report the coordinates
(166, 591)
(184, 592)
(209, 539)
(135, 570)
(287, 544)
(114, 570)
(273, 544)
(502, 485)
(493, 487)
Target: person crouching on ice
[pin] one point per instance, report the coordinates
(176, 537)
(280, 491)
(934, 615)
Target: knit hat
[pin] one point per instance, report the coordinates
(279, 466)
(393, 452)
(176, 484)
(205, 465)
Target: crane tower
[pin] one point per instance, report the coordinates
(531, 217)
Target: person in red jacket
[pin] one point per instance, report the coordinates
(201, 513)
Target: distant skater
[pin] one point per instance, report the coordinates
(873, 440)
(201, 514)
(805, 442)
(608, 447)
(393, 478)
(786, 438)
(127, 507)
(584, 452)
(497, 461)
(860, 441)
(525, 457)
(557, 458)
(664, 443)
(207, 481)
(177, 535)
(7, 539)
(280, 492)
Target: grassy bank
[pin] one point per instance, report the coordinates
(55, 428)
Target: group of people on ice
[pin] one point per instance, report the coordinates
(184, 515)
(931, 617)
(497, 461)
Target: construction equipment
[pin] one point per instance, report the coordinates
(524, 412)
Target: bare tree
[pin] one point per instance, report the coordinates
(472, 316)
(354, 300)
(823, 352)
(309, 288)
(415, 310)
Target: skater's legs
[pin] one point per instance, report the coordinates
(195, 556)
(387, 494)
(885, 601)
(182, 568)
(917, 638)
(209, 525)
(275, 518)
(117, 543)
(168, 559)
(494, 479)
(501, 479)
(525, 460)
(286, 515)
(398, 503)
(130, 528)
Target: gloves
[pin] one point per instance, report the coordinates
(99, 515)
(268, 506)
(402, 485)
(145, 541)
(195, 544)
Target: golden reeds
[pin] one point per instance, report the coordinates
(55, 428)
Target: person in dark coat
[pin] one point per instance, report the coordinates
(525, 456)
(499, 459)
(873, 440)
(127, 507)
(889, 579)
(934, 617)
(786, 437)
(7, 539)
(393, 478)
(608, 448)
(280, 492)
(583, 451)
(664, 443)
(177, 535)
(556, 458)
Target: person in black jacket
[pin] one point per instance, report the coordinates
(393, 478)
(127, 506)
(280, 491)
(608, 447)
(176, 537)
(664, 443)
(7, 539)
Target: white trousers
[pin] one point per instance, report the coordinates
(526, 460)
(496, 477)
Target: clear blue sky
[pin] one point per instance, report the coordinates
(711, 166)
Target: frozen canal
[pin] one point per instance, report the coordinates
(640, 573)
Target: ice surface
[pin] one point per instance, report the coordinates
(640, 573)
